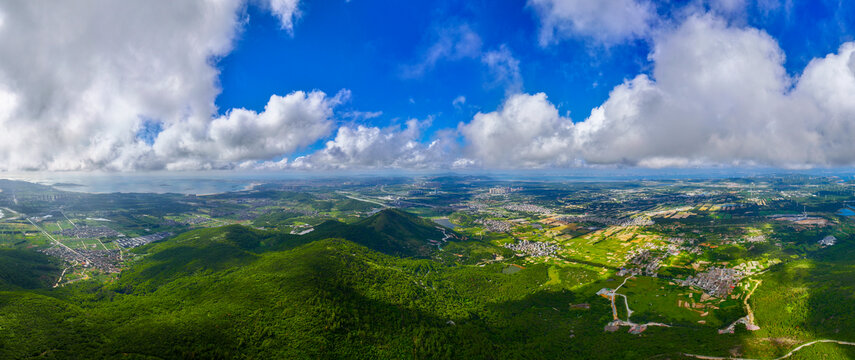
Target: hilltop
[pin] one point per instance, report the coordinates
(390, 231)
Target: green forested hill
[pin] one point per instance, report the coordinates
(389, 231)
(23, 269)
(327, 299)
(235, 292)
(208, 250)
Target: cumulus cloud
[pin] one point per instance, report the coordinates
(373, 147)
(80, 81)
(286, 124)
(718, 95)
(721, 94)
(824, 98)
(97, 86)
(605, 21)
(526, 131)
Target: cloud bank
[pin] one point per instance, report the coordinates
(79, 82)
(372, 147)
(717, 95)
(287, 123)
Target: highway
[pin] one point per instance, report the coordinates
(57, 241)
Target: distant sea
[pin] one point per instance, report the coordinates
(215, 182)
(159, 183)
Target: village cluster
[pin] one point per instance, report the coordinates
(107, 261)
(716, 281)
(533, 248)
(528, 208)
(495, 225)
(90, 232)
(142, 240)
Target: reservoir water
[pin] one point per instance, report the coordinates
(445, 222)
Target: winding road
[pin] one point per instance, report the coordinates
(793, 351)
(617, 321)
(748, 320)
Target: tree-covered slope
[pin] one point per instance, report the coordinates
(201, 251)
(205, 250)
(236, 292)
(330, 298)
(390, 231)
(23, 269)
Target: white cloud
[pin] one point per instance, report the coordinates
(361, 115)
(79, 81)
(84, 79)
(373, 147)
(609, 21)
(526, 131)
(823, 97)
(449, 43)
(504, 69)
(286, 124)
(459, 101)
(287, 11)
(453, 43)
(264, 165)
(727, 6)
(718, 95)
(830, 83)
(77, 87)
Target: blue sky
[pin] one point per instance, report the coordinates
(284, 85)
(363, 45)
